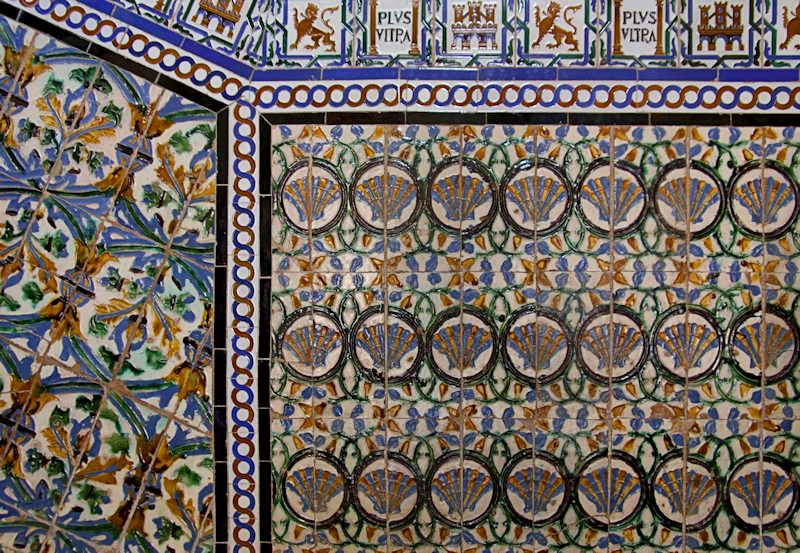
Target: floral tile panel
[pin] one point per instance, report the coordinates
(105, 305)
(510, 338)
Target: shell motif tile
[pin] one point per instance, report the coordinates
(600, 316)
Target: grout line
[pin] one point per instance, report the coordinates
(687, 142)
(461, 363)
(385, 285)
(763, 341)
(536, 384)
(311, 129)
(609, 392)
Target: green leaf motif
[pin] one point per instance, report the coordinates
(90, 405)
(35, 460)
(56, 467)
(28, 129)
(32, 292)
(93, 497)
(9, 303)
(113, 112)
(188, 476)
(205, 130)
(52, 87)
(97, 327)
(180, 143)
(155, 359)
(118, 444)
(168, 530)
(59, 417)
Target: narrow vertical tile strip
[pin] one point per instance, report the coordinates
(243, 332)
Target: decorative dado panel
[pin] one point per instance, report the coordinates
(107, 211)
(534, 338)
(532, 251)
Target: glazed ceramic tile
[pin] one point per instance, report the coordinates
(720, 33)
(312, 34)
(182, 512)
(781, 28)
(556, 33)
(640, 31)
(89, 304)
(471, 32)
(388, 32)
(645, 295)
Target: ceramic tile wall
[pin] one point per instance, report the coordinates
(107, 218)
(306, 33)
(534, 338)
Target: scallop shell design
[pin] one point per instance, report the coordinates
(536, 201)
(315, 487)
(761, 495)
(462, 344)
(688, 206)
(536, 488)
(688, 343)
(460, 200)
(612, 344)
(392, 198)
(608, 499)
(763, 203)
(471, 487)
(699, 489)
(311, 344)
(779, 340)
(311, 202)
(626, 194)
(537, 344)
(400, 342)
(387, 497)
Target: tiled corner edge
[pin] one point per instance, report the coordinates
(242, 332)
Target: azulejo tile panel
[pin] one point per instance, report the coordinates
(533, 337)
(107, 200)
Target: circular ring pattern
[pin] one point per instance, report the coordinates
(535, 198)
(611, 346)
(604, 205)
(536, 345)
(387, 492)
(461, 491)
(687, 343)
(610, 494)
(316, 206)
(697, 204)
(315, 488)
(766, 208)
(391, 206)
(390, 340)
(462, 345)
(776, 351)
(535, 490)
(312, 344)
(761, 492)
(692, 500)
(462, 198)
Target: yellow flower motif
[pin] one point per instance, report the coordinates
(190, 380)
